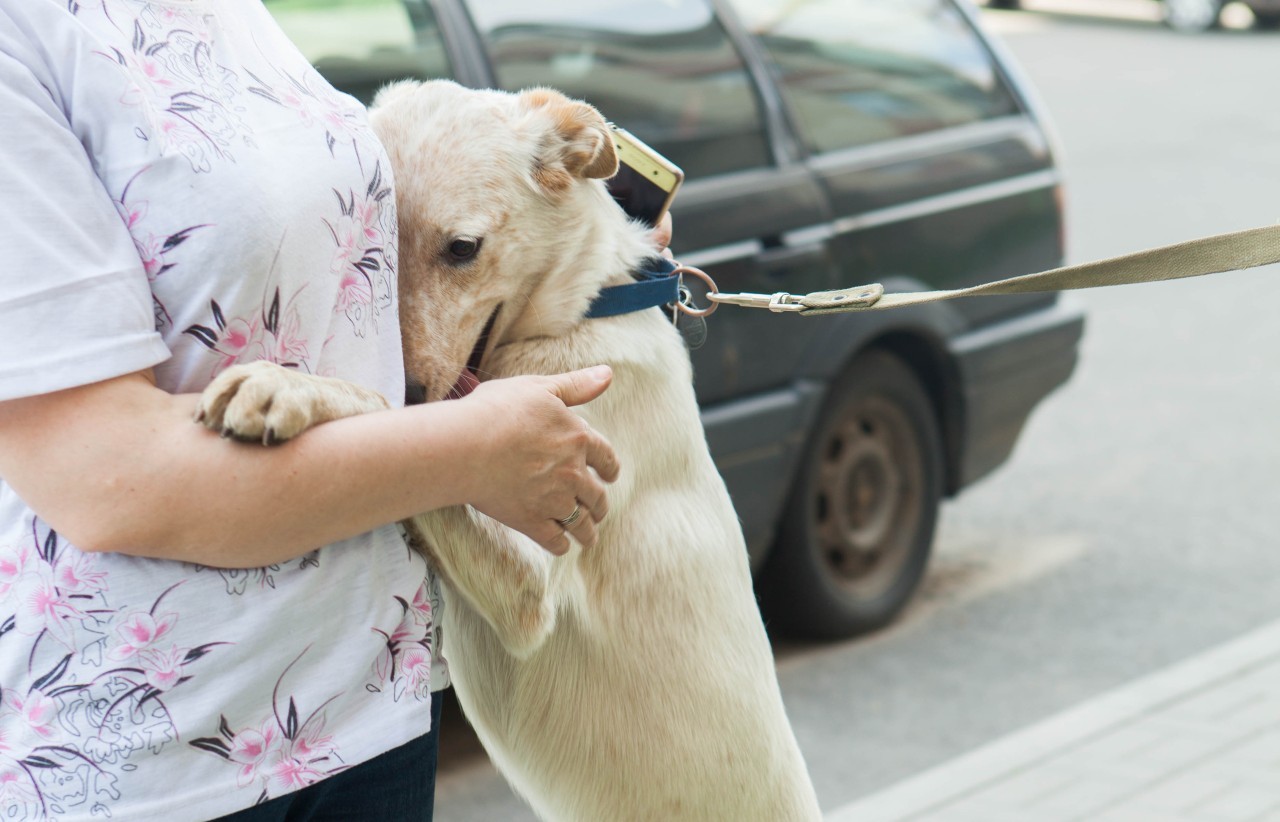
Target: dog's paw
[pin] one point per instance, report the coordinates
(260, 402)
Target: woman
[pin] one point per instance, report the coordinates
(193, 627)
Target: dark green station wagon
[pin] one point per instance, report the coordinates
(826, 143)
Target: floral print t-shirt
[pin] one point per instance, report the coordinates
(183, 191)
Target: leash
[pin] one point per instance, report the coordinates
(1234, 251)
(659, 282)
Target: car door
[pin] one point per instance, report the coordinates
(936, 171)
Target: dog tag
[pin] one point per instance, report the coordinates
(692, 329)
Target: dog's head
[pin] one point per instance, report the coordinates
(506, 230)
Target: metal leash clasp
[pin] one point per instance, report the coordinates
(778, 302)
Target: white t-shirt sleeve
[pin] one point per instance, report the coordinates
(75, 304)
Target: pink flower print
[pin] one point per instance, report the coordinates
(319, 106)
(33, 714)
(139, 632)
(311, 745)
(251, 750)
(409, 630)
(14, 563)
(163, 669)
(238, 335)
(151, 252)
(240, 341)
(16, 788)
(132, 214)
(290, 339)
(354, 291)
(348, 236)
(287, 774)
(366, 214)
(415, 669)
(152, 85)
(76, 573)
(41, 607)
(421, 606)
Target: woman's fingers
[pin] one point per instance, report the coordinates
(581, 524)
(662, 235)
(556, 541)
(594, 499)
(601, 457)
(581, 386)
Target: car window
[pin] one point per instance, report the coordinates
(361, 45)
(666, 71)
(854, 72)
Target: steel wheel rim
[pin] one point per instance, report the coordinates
(869, 489)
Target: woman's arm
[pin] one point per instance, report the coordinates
(120, 466)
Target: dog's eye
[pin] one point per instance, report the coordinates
(464, 248)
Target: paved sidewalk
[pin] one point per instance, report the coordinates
(1197, 742)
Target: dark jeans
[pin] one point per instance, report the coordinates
(399, 785)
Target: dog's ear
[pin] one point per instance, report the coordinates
(573, 140)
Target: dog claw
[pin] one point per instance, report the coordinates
(199, 415)
(227, 432)
(269, 437)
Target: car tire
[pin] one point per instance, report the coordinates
(1003, 4)
(1266, 20)
(1192, 15)
(858, 529)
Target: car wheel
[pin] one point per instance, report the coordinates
(1192, 15)
(1266, 19)
(856, 536)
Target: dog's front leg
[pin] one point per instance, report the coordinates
(264, 402)
(504, 576)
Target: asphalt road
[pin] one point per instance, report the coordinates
(1136, 523)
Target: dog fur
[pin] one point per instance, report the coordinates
(633, 680)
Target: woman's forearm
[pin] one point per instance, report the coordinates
(120, 466)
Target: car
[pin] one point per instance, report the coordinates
(1195, 15)
(826, 143)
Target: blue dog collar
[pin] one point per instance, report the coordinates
(655, 285)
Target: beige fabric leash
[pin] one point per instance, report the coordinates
(1234, 251)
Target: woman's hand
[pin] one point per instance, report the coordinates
(662, 235)
(541, 460)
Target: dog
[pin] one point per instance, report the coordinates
(633, 680)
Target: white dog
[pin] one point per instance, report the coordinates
(634, 680)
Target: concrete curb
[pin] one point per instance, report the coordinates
(1023, 749)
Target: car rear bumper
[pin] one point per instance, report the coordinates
(1006, 370)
